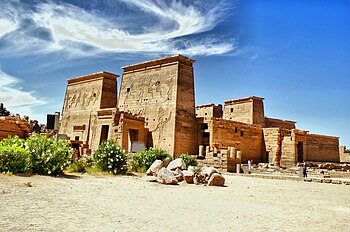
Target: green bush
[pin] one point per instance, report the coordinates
(111, 158)
(189, 159)
(81, 164)
(347, 151)
(143, 159)
(48, 156)
(13, 159)
(13, 142)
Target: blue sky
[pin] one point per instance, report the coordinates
(295, 54)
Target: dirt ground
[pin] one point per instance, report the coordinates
(126, 203)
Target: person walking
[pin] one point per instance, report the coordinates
(304, 170)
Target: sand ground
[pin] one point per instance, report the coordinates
(126, 203)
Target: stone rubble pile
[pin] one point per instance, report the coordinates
(175, 171)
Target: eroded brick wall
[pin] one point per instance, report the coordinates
(322, 148)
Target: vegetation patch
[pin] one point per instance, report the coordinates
(189, 159)
(111, 158)
(143, 159)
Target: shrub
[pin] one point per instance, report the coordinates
(111, 158)
(143, 159)
(13, 159)
(81, 164)
(347, 151)
(189, 159)
(48, 156)
(13, 142)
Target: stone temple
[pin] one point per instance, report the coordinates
(156, 108)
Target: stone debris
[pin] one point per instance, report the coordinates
(158, 172)
(165, 176)
(188, 176)
(166, 162)
(177, 163)
(216, 179)
(178, 174)
(155, 167)
(208, 171)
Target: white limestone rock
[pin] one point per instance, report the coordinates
(177, 163)
(165, 176)
(155, 167)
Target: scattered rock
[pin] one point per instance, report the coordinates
(216, 179)
(188, 176)
(155, 167)
(199, 179)
(165, 176)
(208, 171)
(178, 174)
(191, 168)
(177, 163)
(28, 184)
(166, 162)
(151, 178)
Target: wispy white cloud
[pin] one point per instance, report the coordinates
(15, 98)
(78, 32)
(6, 26)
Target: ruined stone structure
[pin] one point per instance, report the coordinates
(12, 126)
(156, 108)
(261, 139)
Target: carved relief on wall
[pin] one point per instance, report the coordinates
(81, 98)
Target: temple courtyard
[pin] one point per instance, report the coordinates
(129, 203)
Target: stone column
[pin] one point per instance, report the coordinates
(201, 151)
(238, 161)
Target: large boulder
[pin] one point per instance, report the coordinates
(208, 172)
(216, 179)
(155, 167)
(188, 176)
(165, 176)
(177, 163)
(166, 162)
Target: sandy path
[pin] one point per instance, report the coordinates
(107, 203)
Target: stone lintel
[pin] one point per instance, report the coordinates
(280, 120)
(158, 63)
(245, 99)
(92, 77)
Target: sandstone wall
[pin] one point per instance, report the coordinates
(322, 148)
(84, 97)
(247, 138)
(344, 156)
(185, 126)
(278, 123)
(272, 139)
(209, 110)
(248, 110)
(162, 92)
